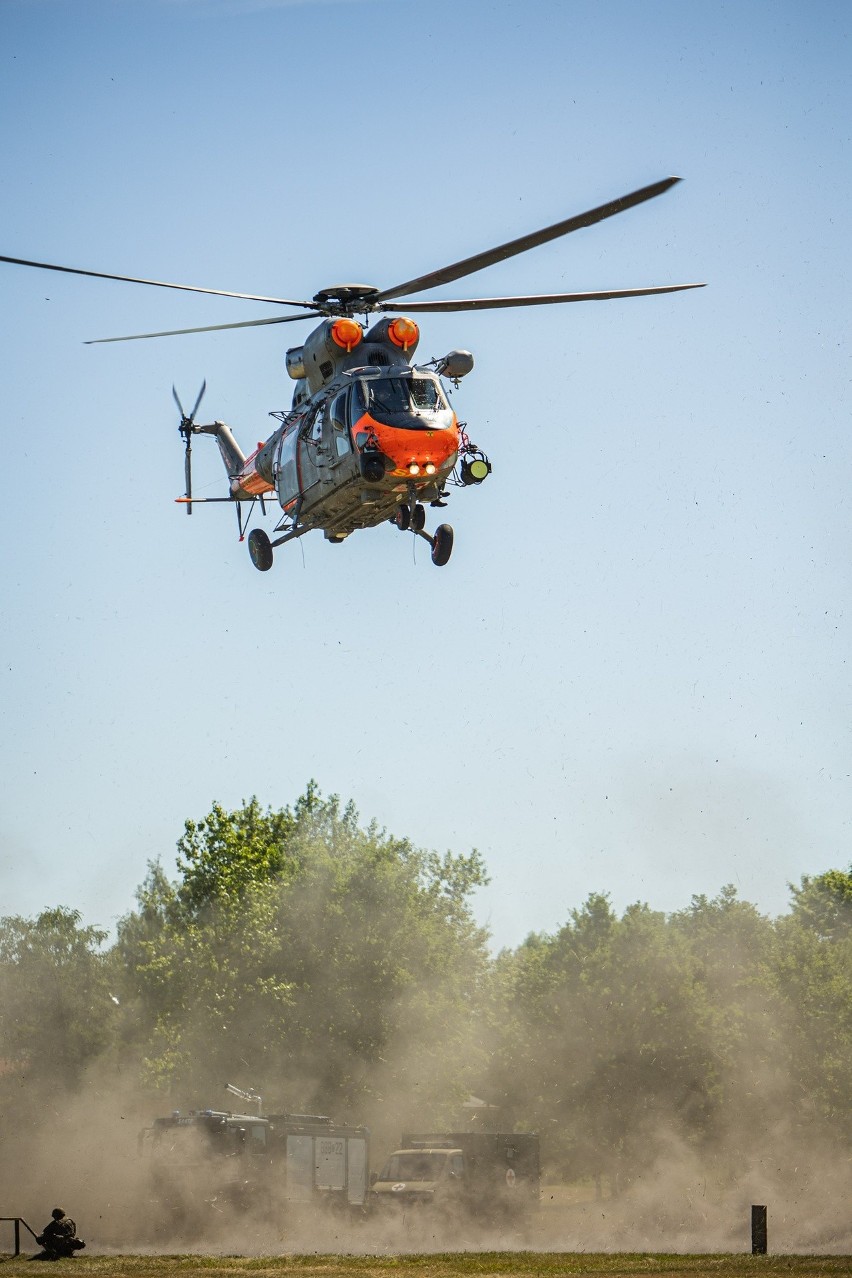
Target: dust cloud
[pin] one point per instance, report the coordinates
(685, 1162)
(81, 1152)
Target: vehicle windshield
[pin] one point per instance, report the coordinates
(394, 401)
(413, 1164)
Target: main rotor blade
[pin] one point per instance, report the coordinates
(541, 299)
(133, 279)
(480, 260)
(209, 328)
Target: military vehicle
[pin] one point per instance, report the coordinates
(269, 1166)
(205, 1159)
(480, 1174)
(313, 1158)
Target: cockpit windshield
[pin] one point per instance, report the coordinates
(412, 402)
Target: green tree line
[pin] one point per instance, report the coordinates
(338, 969)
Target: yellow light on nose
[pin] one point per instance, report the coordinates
(403, 332)
(430, 468)
(414, 469)
(346, 333)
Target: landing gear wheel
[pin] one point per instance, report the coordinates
(402, 518)
(418, 519)
(442, 545)
(260, 549)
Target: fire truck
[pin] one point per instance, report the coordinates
(270, 1166)
(313, 1158)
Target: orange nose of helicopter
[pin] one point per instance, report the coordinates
(414, 454)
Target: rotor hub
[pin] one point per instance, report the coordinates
(343, 299)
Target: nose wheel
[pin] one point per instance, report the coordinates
(442, 544)
(409, 516)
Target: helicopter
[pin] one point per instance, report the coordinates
(371, 436)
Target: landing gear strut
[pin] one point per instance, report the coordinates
(410, 516)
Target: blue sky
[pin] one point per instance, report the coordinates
(633, 675)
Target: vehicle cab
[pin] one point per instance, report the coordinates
(421, 1177)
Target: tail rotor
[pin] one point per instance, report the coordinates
(187, 428)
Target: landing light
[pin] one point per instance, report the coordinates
(346, 333)
(414, 469)
(403, 332)
(430, 468)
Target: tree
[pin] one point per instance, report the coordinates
(303, 953)
(221, 857)
(746, 1082)
(824, 904)
(56, 1013)
(626, 1031)
(814, 965)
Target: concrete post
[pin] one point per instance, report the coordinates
(758, 1231)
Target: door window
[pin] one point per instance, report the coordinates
(339, 418)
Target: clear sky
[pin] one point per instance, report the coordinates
(633, 676)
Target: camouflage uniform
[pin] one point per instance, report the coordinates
(59, 1238)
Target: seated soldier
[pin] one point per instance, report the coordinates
(59, 1238)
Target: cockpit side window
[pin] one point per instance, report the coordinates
(338, 412)
(312, 428)
(339, 418)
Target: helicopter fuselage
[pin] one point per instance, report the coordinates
(350, 455)
(367, 432)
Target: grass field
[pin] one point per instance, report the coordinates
(523, 1264)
